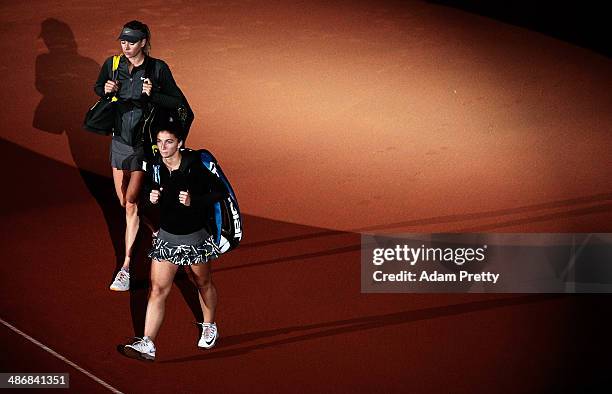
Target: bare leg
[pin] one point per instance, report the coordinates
(193, 280)
(202, 277)
(120, 184)
(127, 186)
(162, 276)
(132, 219)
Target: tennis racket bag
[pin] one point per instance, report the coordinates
(226, 221)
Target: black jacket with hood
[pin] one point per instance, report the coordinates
(132, 103)
(204, 188)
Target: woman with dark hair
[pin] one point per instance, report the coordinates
(185, 193)
(135, 92)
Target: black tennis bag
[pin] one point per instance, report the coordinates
(227, 221)
(100, 118)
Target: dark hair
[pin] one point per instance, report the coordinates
(137, 25)
(166, 120)
(177, 133)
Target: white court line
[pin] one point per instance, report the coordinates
(64, 359)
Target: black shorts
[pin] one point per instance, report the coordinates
(125, 157)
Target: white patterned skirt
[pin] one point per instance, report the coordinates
(188, 249)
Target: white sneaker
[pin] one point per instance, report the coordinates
(209, 335)
(122, 281)
(141, 349)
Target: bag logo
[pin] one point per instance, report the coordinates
(236, 218)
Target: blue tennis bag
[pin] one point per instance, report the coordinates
(226, 221)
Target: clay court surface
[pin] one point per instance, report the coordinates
(331, 119)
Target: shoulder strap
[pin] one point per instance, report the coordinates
(156, 176)
(115, 66)
(116, 60)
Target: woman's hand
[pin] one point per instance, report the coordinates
(147, 86)
(154, 196)
(111, 86)
(185, 198)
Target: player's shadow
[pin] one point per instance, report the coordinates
(66, 79)
(506, 217)
(283, 336)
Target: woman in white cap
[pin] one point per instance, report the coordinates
(135, 92)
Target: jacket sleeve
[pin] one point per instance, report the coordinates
(103, 76)
(168, 94)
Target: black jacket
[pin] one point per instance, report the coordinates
(132, 103)
(204, 188)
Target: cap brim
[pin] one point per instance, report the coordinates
(131, 39)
